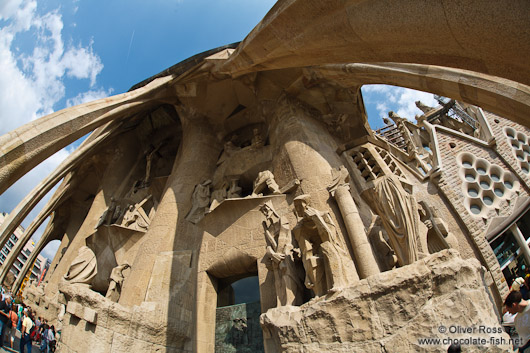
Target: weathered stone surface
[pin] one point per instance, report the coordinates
(197, 155)
(82, 312)
(393, 311)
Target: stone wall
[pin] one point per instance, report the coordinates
(393, 311)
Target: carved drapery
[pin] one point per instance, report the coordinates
(399, 213)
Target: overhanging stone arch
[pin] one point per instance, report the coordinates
(28, 233)
(506, 98)
(297, 33)
(19, 213)
(48, 235)
(24, 148)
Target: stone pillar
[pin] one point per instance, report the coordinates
(522, 242)
(124, 156)
(362, 250)
(305, 151)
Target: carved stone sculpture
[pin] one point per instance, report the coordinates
(379, 240)
(323, 254)
(218, 196)
(399, 213)
(84, 267)
(264, 181)
(148, 163)
(438, 235)
(229, 149)
(116, 281)
(280, 251)
(108, 214)
(200, 200)
(257, 140)
(423, 107)
(135, 216)
(235, 190)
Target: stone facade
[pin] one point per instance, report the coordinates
(249, 163)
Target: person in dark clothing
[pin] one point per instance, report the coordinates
(454, 348)
(5, 307)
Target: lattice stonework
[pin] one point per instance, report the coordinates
(485, 186)
(390, 162)
(369, 162)
(366, 164)
(520, 147)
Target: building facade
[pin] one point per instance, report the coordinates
(41, 262)
(255, 162)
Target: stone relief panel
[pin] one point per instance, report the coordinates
(205, 201)
(129, 214)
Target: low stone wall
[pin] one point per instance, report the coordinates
(441, 297)
(93, 323)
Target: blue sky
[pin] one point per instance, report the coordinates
(55, 54)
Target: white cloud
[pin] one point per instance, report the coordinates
(88, 97)
(82, 63)
(398, 99)
(32, 83)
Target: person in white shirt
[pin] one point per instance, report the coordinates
(515, 304)
(25, 340)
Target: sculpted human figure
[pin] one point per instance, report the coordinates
(399, 213)
(385, 253)
(323, 254)
(107, 215)
(265, 180)
(438, 235)
(148, 162)
(116, 214)
(84, 267)
(235, 190)
(410, 145)
(229, 149)
(135, 216)
(257, 140)
(280, 251)
(200, 200)
(218, 196)
(116, 281)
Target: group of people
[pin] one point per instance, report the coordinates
(516, 318)
(16, 317)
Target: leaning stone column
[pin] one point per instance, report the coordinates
(340, 190)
